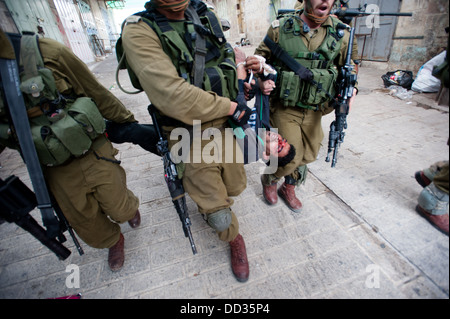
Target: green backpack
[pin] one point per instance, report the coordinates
(218, 72)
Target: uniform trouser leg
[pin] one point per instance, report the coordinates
(303, 129)
(441, 179)
(91, 193)
(211, 185)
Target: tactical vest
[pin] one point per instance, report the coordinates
(220, 75)
(293, 91)
(61, 127)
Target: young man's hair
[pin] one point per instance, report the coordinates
(283, 161)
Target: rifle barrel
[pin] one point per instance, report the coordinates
(348, 13)
(355, 13)
(29, 224)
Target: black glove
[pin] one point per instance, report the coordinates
(143, 135)
(241, 108)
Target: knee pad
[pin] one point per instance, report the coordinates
(220, 220)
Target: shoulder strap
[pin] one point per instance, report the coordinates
(30, 55)
(200, 48)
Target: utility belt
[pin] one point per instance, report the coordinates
(295, 92)
(67, 133)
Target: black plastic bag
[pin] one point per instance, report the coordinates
(402, 78)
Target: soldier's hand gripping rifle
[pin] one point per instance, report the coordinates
(174, 184)
(346, 85)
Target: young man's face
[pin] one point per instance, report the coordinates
(276, 145)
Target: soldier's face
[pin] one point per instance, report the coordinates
(172, 5)
(320, 8)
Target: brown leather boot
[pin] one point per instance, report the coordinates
(287, 193)
(116, 255)
(136, 220)
(239, 262)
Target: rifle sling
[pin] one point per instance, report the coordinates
(17, 110)
(303, 72)
(200, 48)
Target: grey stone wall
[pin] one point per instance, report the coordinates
(419, 38)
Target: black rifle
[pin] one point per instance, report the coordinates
(347, 14)
(15, 105)
(346, 85)
(174, 184)
(16, 202)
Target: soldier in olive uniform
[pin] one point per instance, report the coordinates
(160, 49)
(342, 5)
(297, 121)
(91, 189)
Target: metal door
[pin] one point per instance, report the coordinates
(91, 28)
(107, 22)
(87, 17)
(79, 42)
(374, 33)
(35, 16)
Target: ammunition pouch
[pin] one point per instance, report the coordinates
(38, 87)
(221, 79)
(291, 52)
(67, 133)
(295, 92)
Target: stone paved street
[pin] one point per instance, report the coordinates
(358, 235)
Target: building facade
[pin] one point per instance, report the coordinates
(85, 26)
(401, 42)
(89, 29)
